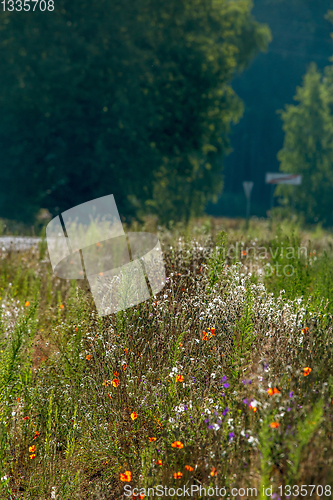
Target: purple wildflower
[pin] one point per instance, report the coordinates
(226, 385)
(231, 436)
(225, 411)
(291, 393)
(224, 378)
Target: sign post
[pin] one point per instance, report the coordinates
(282, 178)
(248, 190)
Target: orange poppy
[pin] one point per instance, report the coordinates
(188, 467)
(179, 378)
(306, 370)
(177, 475)
(61, 306)
(106, 383)
(116, 374)
(36, 435)
(274, 425)
(276, 391)
(125, 350)
(115, 382)
(159, 462)
(177, 444)
(126, 476)
(109, 395)
(152, 439)
(212, 330)
(180, 344)
(133, 415)
(244, 253)
(32, 448)
(213, 472)
(124, 366)
(33, 456)
(270, 392)
(203, 335)
(304, 330)
(88, 357)
(27, 303)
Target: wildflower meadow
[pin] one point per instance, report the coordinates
(220, 386)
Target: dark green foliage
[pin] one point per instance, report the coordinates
(301, 35)
(308, 147)
(125, 97)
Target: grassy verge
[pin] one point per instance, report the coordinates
(224, 379)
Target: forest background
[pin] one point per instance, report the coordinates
(169, 106)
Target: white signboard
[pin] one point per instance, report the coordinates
(281, 178)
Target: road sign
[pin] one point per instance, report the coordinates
(281, 178)
(247, 189)
(247, 185)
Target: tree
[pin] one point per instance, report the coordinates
(308, 147)
(130, 97)
(300, 35)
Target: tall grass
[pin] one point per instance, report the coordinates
(231, 367)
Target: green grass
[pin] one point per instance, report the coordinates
(59, 359)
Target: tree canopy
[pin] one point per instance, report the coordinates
(301, 34)
(308, 146)
(130, 97)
